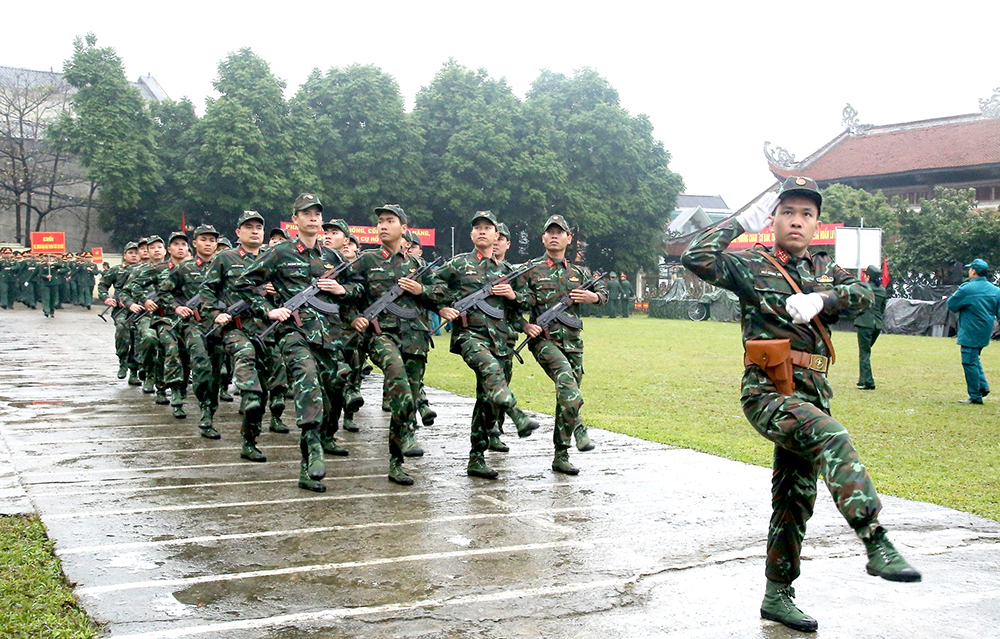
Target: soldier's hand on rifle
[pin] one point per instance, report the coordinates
(280, 314)
(184, 311)
(503, 290)
(110, 302)
(134, 308)
(269, 289)
(412, 287)
(583, 296)
(150, 306)
(222, 319)
(330, 286)
(449, 313)
(360, 324)
(533, 330)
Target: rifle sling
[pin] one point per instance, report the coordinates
(824, 335)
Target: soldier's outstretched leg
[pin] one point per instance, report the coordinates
(304, 375)
(398, 395)
(569, 400)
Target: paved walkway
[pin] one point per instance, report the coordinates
(165, 534)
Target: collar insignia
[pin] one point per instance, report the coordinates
(782, 256)
(386, 253)
(300, 247)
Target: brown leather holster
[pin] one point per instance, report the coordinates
(774, 356)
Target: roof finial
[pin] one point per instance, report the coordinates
(779, 157)
(991, 107)
(851, 120)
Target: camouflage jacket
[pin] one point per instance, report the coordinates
(178, 283)
(375, 272)
(465, 274)
(218, 288)
(762, 292)
(115, 277)
(291, 267)
(546, 284)
(143, 281)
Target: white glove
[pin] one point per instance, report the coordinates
(757, 218)
(804, 306)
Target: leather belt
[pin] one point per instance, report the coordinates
(802, 359)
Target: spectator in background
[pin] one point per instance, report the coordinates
(869, 325)
(977, 303)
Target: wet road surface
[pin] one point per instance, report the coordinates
(165, 534)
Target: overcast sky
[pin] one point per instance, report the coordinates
(717, 79)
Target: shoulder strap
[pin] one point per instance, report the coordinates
(824, 335)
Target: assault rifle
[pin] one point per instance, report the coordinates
(108, 308)
(135, 317)
(557, 313)
(477, 299)
(308, 297)
(193, 304)
(234, 311)
(387, 301)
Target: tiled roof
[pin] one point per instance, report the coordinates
(15, 76)
(704, 201)
(960, 141)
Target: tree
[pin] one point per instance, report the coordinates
(367, 146)
(249, 151)
(34, 176)
(110, 130)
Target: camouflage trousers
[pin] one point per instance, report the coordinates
(148, 349)
(355, 352)
(402, 374)
(205, 360)
(566, 370)
(493, 395)
(123, 336)
(483, 410)
(245, 365)
(807, 443)
(316, 373)
(175, 357)
(277, 378)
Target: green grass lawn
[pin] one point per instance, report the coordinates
(677, 382)
(35, 600)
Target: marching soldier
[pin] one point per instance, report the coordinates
(788, 296)
(559, 348)
(401, 338)
(49, 284)
(115, 277)
(6, 278)
(481, 339)
(311, 346)
(29, 280)
(356, 352)
(142, 283)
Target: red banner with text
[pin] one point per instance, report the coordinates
(98, 253)
(826, 235)
(44, 242)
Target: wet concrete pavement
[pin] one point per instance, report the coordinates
(166, 534)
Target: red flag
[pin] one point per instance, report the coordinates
(885, 273)
(183, 222)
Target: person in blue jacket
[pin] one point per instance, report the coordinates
(977, 303)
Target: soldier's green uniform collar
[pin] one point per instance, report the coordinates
(551, 262)
(480, 257)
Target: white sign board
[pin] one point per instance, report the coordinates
(858, 248)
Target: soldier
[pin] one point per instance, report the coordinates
(179, 284)
(29, 280)
(356, 352)
(49, 284)
(175, 363)
(869, 326)
(311, 345)
(6, 278)
(977, 303)
(115, 277)
(217, 294)
(427, 414)
(628, 295)
(226, 365)
(401, 338)
(277, 236)
(142, 283)
(559, 348)
(86, 276)
(482, 340)
(614, 294)
(786, 396)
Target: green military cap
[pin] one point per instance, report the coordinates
(131, 245)
(484, 215)
(503, 230)
(206, 229)
(979, 265)
(413, 238)
(174, 236)
(395, 209)
(224, 241)
(278, 231)
(249, 215)
(337, 224)
(353, 238)
(305, 200)
(142, 241)
(559, 221)
(156, 238)
(873, 271)
(799, 185)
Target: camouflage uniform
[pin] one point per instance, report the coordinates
(484, 344)
(177, 285)
(807, 440)
(143, 281)
(401, 348)
(559, 350)
(115, 277)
